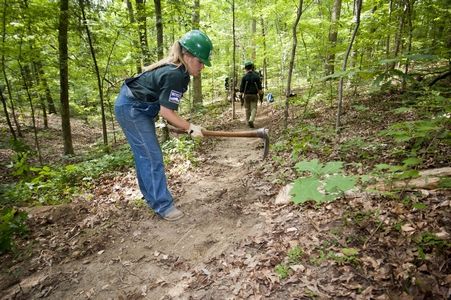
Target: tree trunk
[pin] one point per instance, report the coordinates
(409, 15)
(99, 80)
(265, 67)
(197, 80)
(333, 34)
(5, 109)
(291, 65)
(37, 69)
(159, 26)
(398, 38)
(13, 109)
(254, 35)
(44, 111)
(45, 87)
(5, 76)
(142, 32)
(135, 43)
(234, 76)
(64, 76)
(358, 6)
(33, 118)
(39, 90)
(387, 42)
(107, 97)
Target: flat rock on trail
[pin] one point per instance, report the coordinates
(104, 249)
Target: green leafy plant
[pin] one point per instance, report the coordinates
(398, 172)
(398, 225)
(402, 110)
(317, 260)
(12, 223)
(347, 255)
(427, 242)
(360, 107)
(418, 131)
(445, 183)
(280, 146)
(293, 257)
(357, 147)
(419, 206)
(20, 165)
(282, 271)
(385, 80)
(18, 145)
(294, 254)
(326, 182)
(182, 148)
(308, 138)
(53, 185)
(359, 218)
(431, 102)
(414, 136)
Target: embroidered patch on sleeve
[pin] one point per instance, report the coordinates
(175, 97)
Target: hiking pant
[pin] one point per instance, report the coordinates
(137, 120)
(250, 104)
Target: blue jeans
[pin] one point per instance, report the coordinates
(137, 119)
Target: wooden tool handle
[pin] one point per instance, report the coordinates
(261, 132)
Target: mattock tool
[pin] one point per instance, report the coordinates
(260, 133)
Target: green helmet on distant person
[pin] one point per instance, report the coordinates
(249, 64)
(198, 44)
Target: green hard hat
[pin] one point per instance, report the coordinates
(248, 63)
(198, 44)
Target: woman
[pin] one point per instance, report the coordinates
(159, 89)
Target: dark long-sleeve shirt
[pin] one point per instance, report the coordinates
(250, 83)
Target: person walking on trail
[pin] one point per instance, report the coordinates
(250, 92)
(159, 90)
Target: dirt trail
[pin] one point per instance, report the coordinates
(234, 242)
(129, 253)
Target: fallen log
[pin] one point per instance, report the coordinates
(427, 179)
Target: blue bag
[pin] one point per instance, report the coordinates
(269, 98)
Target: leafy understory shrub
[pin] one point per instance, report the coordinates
(54, 185)
(19, 164)
(326, 182)
(390, 78)
(398, 172)
(416, 135)
(181, 150)
(12, 224)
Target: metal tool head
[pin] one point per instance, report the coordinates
(263, 133)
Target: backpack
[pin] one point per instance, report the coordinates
(269, 98)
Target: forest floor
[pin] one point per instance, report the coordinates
(234, 242)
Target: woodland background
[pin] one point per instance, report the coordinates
(379, 71)
(70, 57)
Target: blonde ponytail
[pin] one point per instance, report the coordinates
(175, 57)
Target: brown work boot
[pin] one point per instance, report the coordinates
(173, 214)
